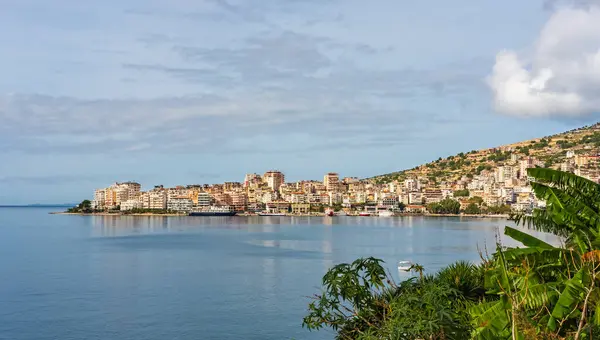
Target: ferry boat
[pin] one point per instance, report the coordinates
(213, 211)
(386, 213)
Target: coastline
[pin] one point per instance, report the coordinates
(500, 216)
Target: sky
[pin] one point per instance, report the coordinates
(203, 91)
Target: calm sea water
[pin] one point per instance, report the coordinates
(132, 278)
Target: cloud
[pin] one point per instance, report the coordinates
(561, 77)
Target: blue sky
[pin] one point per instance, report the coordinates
(181, 92)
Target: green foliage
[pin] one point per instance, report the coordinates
(476, 200)
(499, 210)
(534, 291)
(472, 209)
(461, 193)
(545, 291)
(84, 207)
(355, 297)
(360, 302)
(445, 206)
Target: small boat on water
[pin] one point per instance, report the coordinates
(329, 212)
(270, 214)
(364, 214)
(385, 213)
(404, 265)
(213, 211)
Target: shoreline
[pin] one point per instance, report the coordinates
(500, 216)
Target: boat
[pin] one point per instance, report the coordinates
(364, 214)
(213, 211)
(270, 214)
(404, 265)
(329, 212)
(385, 213)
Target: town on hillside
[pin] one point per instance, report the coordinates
(491, 181)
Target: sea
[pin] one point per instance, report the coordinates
(67, 277)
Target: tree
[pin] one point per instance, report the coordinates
(476, 200)
(461, 193)
(84, 207)
(445, 206)
(545, 291)
(360, 301)
(472, 209)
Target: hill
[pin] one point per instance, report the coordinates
(549, 151)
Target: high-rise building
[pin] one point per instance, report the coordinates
(331, 181)
(525, 164)
(99, 199)
(251, 180)
(274, 179)
(412, 184)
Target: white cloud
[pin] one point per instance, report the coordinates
(562, 74)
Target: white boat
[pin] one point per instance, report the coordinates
(404, 265)
(386, 213)
(270, 214)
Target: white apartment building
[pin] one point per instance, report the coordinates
(157, 200)
(331, 181)
(412, 185)
(131, 204)
(204, 199)
(415, 198)
(99, 199)
(335, 198)
(182, 204)
(298, 197)
(389, 202)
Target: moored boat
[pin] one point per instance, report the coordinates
(329, 212)
(213, 211)
(364, 214)
(270, 214)
(385, 213)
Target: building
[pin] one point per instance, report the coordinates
(181, 204)
(389, 202)
(239, 201)
(131, 204)
(252, 180)
(412, 185)
(331, 181)
(222, 199)
(432, 195)
(300, 208)
(415, 198)
(157, 200)
(274, 179)
(415, 209)
(525, 164)
(99, 199)
(278, 207)
(204, 199)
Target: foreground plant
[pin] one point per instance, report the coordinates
(361, 301)
(545, 291)
(538, 291)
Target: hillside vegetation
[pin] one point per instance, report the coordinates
(549, 149)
